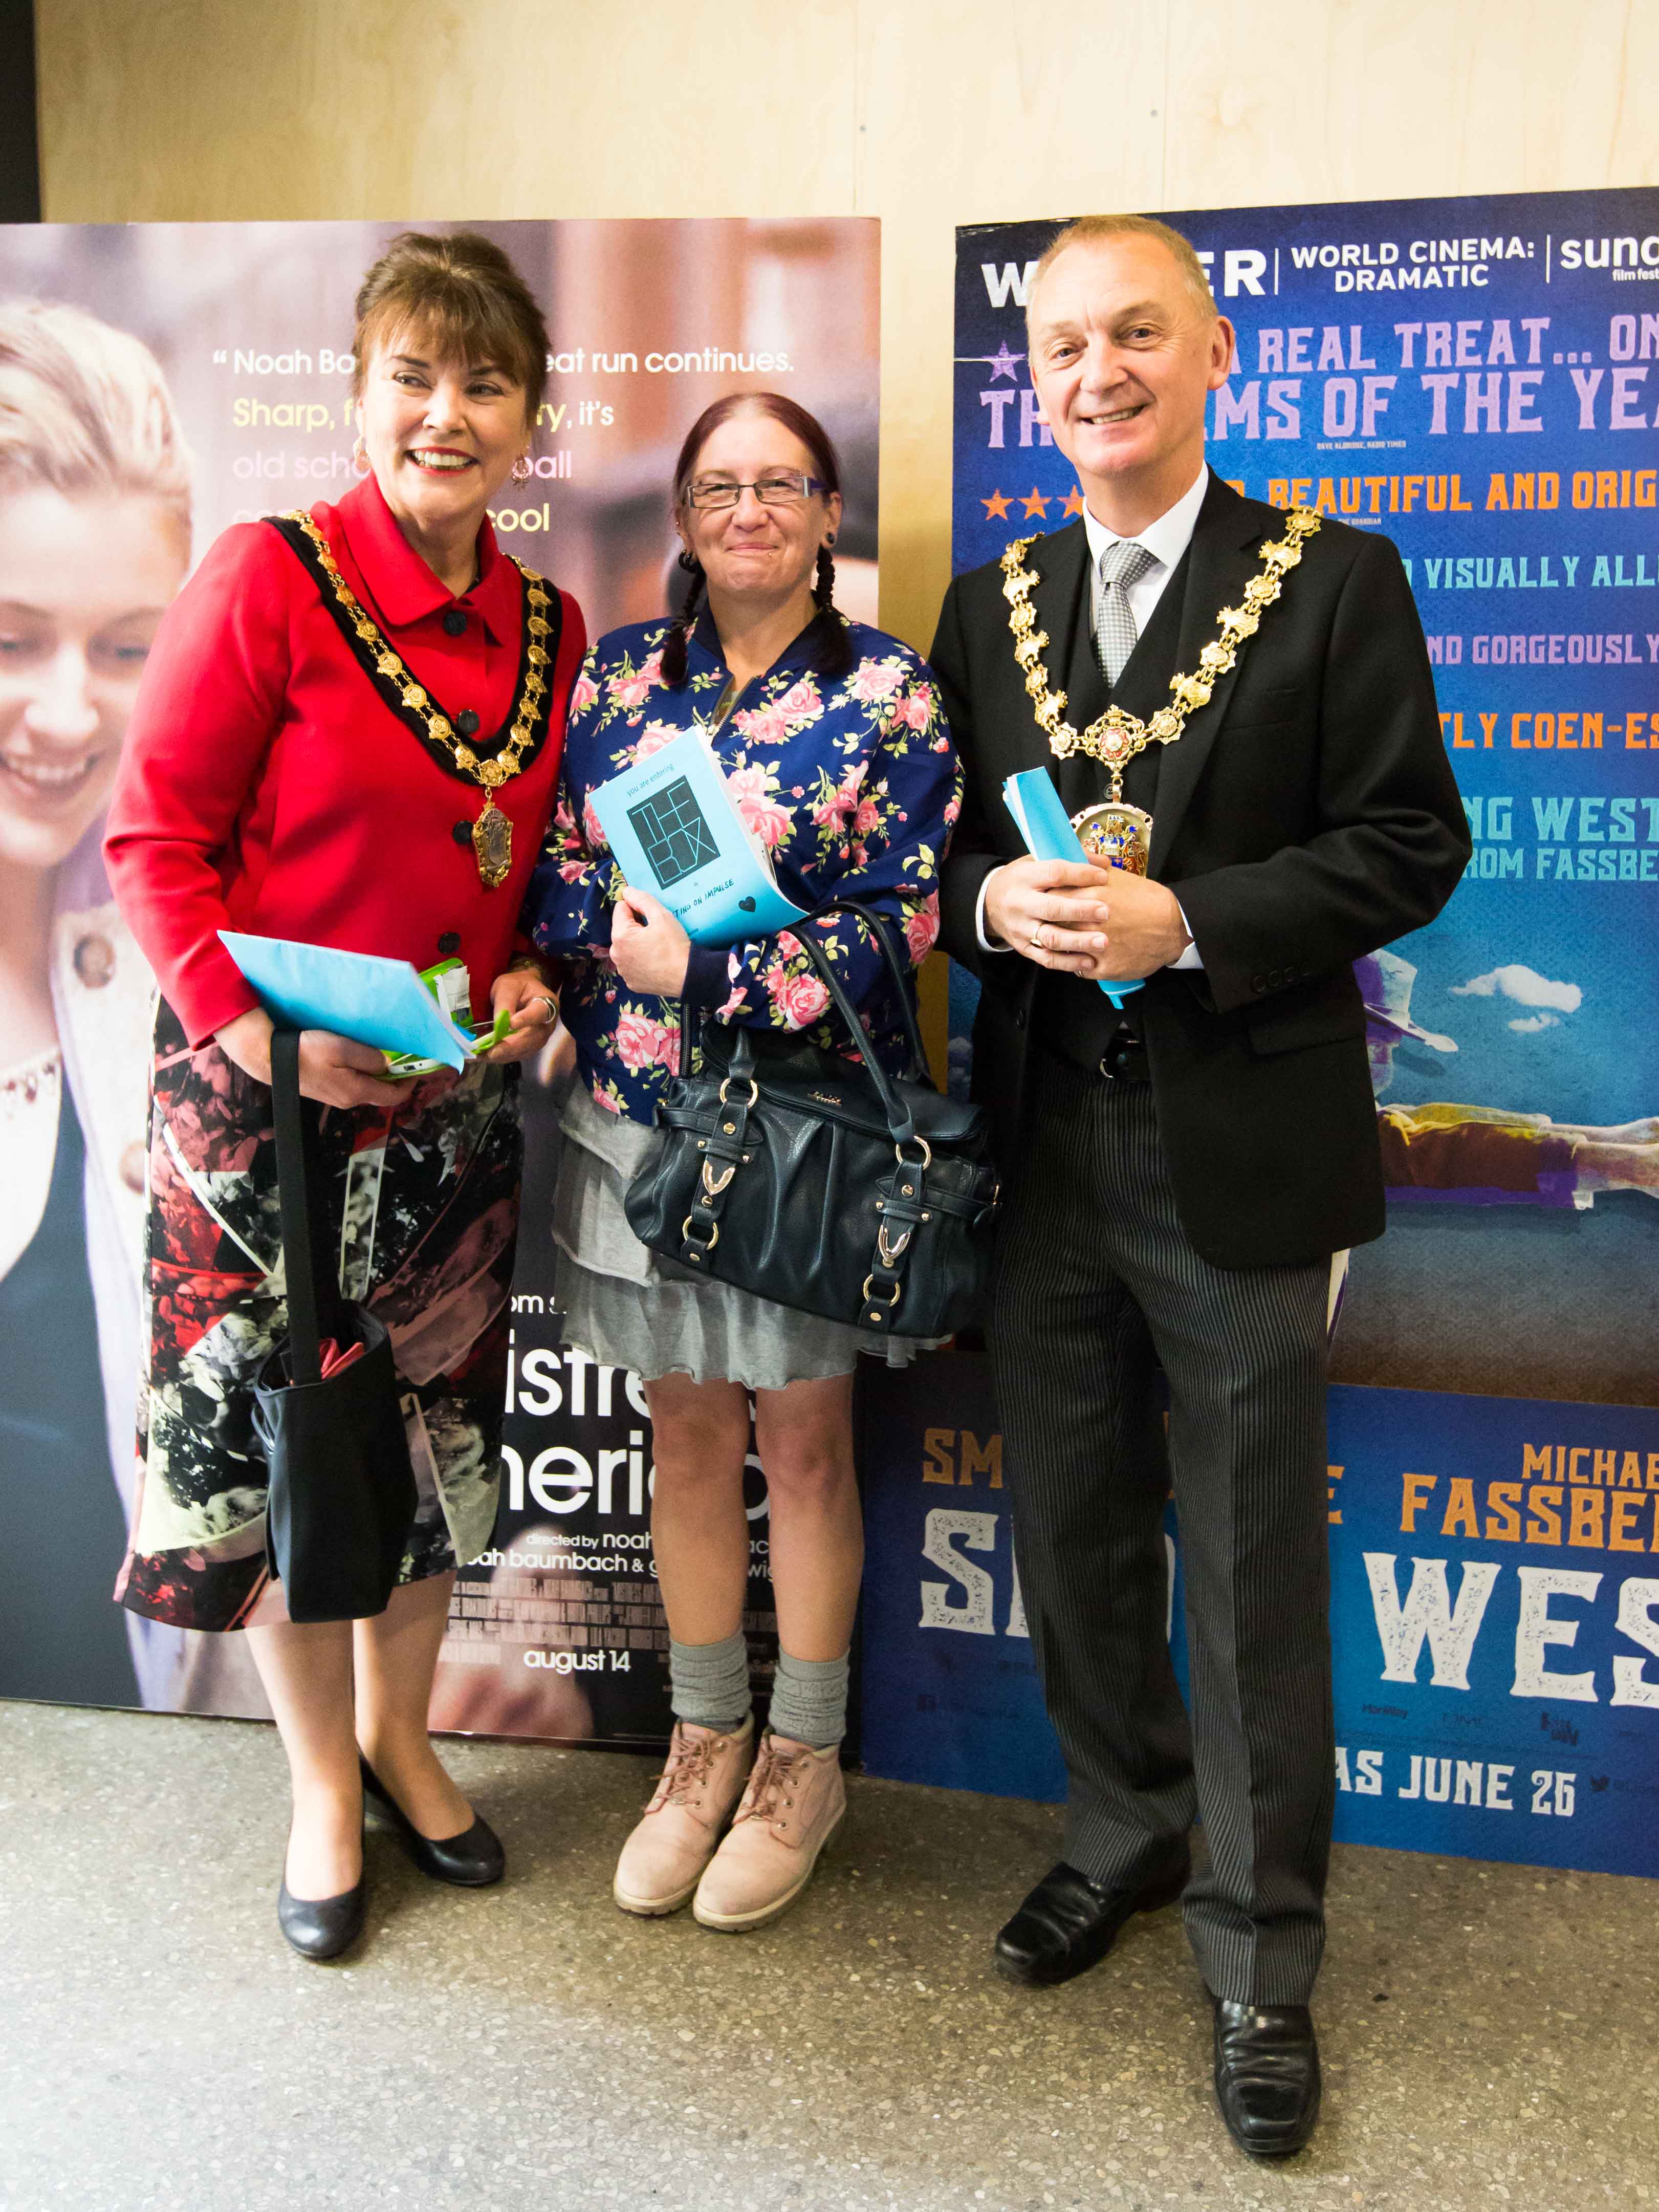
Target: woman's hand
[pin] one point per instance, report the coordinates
(650, 949)
(335, 1070)
(528, 997)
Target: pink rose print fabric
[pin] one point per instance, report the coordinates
(850, 781)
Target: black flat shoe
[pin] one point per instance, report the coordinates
(322, 1927)
(471, 1860)
(1266, 2077)
(1068, 1924)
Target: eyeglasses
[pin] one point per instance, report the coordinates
(777, 487)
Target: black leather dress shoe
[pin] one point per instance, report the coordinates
(322, 1927)
(1068, 1924)
(471, 1860)
(1266, 2077)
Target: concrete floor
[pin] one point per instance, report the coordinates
(1488, 2031)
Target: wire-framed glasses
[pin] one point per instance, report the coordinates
(777, 487)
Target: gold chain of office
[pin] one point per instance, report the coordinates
(1116, 738)
(392, 667)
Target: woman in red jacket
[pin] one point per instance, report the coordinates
(349, 733)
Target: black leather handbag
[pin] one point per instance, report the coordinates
(342, 1491)
(818, 1181)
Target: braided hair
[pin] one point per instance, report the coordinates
(832, 650)
(673, 663)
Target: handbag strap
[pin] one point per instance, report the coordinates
(299, 1184)
(881, 930)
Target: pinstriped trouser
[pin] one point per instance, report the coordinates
(1097, 1287)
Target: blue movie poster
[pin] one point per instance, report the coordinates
(1480, 380)
(1494, 1617)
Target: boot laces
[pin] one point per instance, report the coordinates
(772, 1785)
(687, 1771)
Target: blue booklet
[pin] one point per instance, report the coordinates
(1043, 823)
(674, 830)
(384, 1003)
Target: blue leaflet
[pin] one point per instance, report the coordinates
(674, 830)
(1043, 823)
(382, 1003)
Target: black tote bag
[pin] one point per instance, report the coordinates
(820, 1183)
(341, 1491)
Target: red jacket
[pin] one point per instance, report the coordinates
(267, 787)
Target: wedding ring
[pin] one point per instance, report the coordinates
(552, 1006)
(1037, 945)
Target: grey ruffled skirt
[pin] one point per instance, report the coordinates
(626, 1307)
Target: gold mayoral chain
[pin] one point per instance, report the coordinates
(492, 832)
(1116, 834)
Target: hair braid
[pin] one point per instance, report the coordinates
(824, 589)
(673, 663)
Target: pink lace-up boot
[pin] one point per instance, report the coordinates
(792, 1806)
(662, 1860)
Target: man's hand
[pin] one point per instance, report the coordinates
(1088, 921)
(334, 1070)
(1053, 911)
(1144, 928)
(535, 1011)
(650, 950)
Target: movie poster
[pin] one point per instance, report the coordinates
(1478, 379)
(1494, 1617)
(213, 362)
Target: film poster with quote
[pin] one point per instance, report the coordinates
(248, 328)
(1478, 379)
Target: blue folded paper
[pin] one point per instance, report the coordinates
(1043, 823)
(674, 829)
(377, 1002)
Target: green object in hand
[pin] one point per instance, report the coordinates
(450, 985)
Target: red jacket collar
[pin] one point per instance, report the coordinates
(404, 588)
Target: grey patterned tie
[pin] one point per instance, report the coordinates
(1121, 566)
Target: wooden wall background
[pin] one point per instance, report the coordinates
(925, 113)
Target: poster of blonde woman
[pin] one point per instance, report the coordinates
(160, 384)
(95, 541)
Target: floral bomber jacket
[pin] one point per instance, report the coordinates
(852, 783)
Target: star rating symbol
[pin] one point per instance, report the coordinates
(996, 507)
(1074, 503)
(1036, 503)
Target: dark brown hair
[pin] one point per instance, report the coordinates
(461, 296)
(833, 653)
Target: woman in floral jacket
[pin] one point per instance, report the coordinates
(832, 741)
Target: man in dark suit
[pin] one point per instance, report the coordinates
(1178, 1175)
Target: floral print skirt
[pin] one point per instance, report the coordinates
(427, 1197)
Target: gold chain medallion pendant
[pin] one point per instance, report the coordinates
(1115, 834)
(492, 832)
(492, 839)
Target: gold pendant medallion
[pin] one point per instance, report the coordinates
(492, 844)
(1116, 834)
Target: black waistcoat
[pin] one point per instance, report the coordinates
(1069, 1015)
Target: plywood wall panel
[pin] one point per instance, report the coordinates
(980, 129)
(1298, 100)
(925, 113)
(184, 109)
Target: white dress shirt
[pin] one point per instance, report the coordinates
(1166, 540)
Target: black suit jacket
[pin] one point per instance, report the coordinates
(1307, 814)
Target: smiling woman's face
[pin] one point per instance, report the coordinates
(83, 584)
(441, 435)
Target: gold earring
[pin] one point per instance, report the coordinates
(523, 469)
